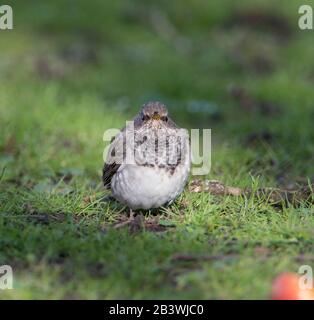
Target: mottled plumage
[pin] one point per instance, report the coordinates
(148, 161)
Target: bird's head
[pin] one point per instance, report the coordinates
(154, 112)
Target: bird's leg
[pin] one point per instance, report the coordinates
(126, 222)
(131, 215)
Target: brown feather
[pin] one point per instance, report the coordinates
(117, 145)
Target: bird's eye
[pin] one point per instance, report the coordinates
(165, 118)
(145, 117)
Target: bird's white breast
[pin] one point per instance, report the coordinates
(145, 187)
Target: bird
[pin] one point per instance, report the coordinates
(148, 161)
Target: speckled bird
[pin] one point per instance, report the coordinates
(151, 168)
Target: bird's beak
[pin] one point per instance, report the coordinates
(156, 116)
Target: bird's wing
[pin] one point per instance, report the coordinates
(117, 151)
(114, 158)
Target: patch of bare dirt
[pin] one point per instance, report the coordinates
(137, 222)
(34, 216)
(255, 139)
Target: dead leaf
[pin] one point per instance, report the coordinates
(214, 187)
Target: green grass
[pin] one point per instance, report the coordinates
(68, 73)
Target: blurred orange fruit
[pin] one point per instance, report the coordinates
(286, 287)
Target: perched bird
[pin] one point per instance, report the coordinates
(148, 161)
